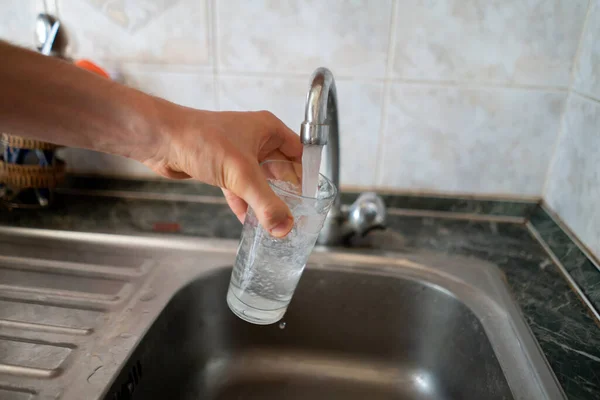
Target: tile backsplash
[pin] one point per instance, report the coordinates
(528, 42)
(434, 95)
(474, 140)
(573, 187)
(475, 97)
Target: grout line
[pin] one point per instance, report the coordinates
(389, 79)
(51, 7)
(215, 52)
(275, 74)
(559, 136)
(562, 128)
(564, 227)
(409, 212)
(162, 67)
(580, 44)
(213, 199)
(123, 194)
(386, 92)
(166, 67)
(384, 191)
(574, 286)
(379, 157)
(585, 96)
(501, 197)
(478, 85)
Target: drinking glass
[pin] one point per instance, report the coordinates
(267, 269)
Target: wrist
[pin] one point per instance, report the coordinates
(149, 129)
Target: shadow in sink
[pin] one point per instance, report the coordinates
(350, 335)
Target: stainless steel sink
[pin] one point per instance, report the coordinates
(348, 334)
(358, 327)
(93, 316)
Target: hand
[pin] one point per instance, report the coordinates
(76, 108)
(225, 149)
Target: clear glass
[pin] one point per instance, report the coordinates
(267, 269)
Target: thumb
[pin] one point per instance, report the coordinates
(249, 183)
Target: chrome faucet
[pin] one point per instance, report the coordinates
(321, 128)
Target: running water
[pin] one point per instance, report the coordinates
(311, 163)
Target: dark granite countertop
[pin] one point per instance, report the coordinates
(518, 236)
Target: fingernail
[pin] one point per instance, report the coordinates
(283, 228)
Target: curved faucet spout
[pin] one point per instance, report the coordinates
(321, 128)
(321, 125)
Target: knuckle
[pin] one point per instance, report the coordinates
(272, 212)
(267, 115)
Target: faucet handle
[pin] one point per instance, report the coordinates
(366, 213)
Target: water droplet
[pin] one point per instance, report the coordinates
(282, 325)
(125, 335)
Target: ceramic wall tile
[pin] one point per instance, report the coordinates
(350, 37)
(187, 89)
(17, 21)
(141, 31)
(528, 42)
(486, 141)
(468, 138)
(360, 110)
(573, 186)
(587, 68)
(284, 97)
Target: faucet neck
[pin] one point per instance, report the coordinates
(321, 125)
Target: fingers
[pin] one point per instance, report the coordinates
(291, 145)
(237, 205)
(290, 141)
(246, 180)
(288, 171)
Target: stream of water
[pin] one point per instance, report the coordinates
(311, 163)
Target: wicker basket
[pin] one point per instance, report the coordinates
(32, 176)
(24, 143)
(29, 185)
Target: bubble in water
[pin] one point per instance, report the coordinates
(282, 325)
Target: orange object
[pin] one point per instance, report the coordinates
(166, 227)
(90, 66)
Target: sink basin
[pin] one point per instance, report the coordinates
(358, 327)
(97, 316)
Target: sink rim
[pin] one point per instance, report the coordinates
(478, 284)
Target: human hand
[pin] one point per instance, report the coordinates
(76, 108)
(225, 149)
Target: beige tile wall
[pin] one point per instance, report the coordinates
(526, 42)
(448, 95)
(17, 21)
(475, 140)
(573, 188)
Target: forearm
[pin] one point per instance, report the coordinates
(51, 100)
